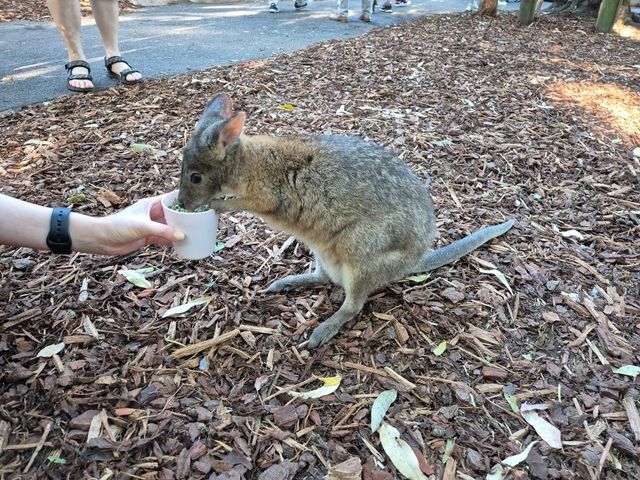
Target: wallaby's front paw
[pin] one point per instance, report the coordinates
(321, 335)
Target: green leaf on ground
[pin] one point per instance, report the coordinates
(380, 407)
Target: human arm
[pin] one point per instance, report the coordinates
(24, 224)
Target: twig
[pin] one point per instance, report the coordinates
(199, 347)
(603, 458)
(39, 446)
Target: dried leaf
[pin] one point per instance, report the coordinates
(547, 432)
(573, 234)
(500, 276)
(520, 457)
(400, 453)
(137, 276)
(331, 384)
(89, 327)
(172, 312)
(441, 143)
(84, 291)
(35, 141)
(51, 350)
(380, 407)
(439, 350)
(496, 473)
(350, 469)
(261, 381)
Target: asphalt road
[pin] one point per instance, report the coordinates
(171, 40)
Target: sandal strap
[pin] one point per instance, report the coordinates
(108, 62)
(77, 63)
(80, 76)
(127, 71)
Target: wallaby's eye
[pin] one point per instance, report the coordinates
(196, 178)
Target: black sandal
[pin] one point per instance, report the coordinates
(78, 76)
(122, 76)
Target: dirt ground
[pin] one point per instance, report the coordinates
(538, 124)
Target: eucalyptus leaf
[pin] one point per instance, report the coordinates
(418, 278)
(439, 350)
(380, 407)
(448, 448)
(137, 276)
(500, 276)
(57, 460)
(140, 147)
(180, 309)
(512, 401)
(51, 350)
(628, 370)
(400, 452)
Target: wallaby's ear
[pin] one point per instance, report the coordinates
(231, 130)
(220, 108)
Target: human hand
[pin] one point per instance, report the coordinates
(128, 230)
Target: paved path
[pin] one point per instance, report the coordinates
(177, 39)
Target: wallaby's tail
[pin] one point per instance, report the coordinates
(460, 248)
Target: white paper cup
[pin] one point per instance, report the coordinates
(199, 229)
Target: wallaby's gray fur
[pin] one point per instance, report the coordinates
(367, 218)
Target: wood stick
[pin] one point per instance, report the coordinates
(199, 347)
(634, 418)
(39, 446)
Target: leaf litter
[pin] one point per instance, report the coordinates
(570, 304)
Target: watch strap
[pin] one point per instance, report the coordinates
(59, 240)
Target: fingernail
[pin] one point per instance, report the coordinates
(178, 235)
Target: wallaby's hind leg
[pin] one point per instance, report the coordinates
(317, 277)
(353, 303)
(358, 283)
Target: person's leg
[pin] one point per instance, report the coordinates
(105, 13)
(367, 10)
(343, 12)
(66, 15)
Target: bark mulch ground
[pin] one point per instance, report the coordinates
(538, 124)
(36, 10)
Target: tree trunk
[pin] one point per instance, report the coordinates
(488, 8)
(607, 15)
(583, 8)
(627, 22)
(527, 12)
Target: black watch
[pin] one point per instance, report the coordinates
(59, 240)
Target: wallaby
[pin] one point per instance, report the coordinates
(366, 217)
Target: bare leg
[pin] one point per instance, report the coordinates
(67, 17)
(318, 277)
(105, 13)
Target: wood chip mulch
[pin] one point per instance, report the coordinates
(36, 10)
(538, 124)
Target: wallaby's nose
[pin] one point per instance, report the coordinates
(182, 200)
